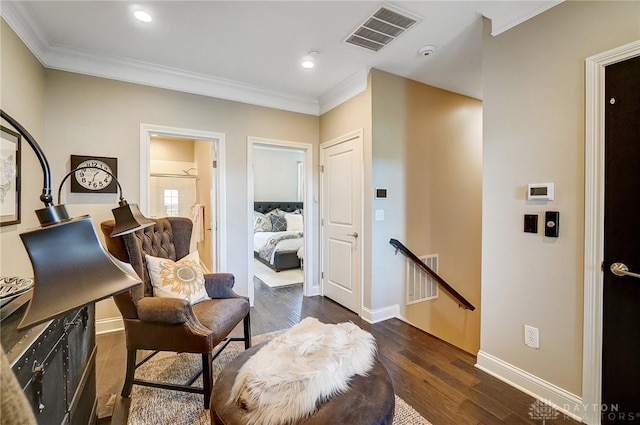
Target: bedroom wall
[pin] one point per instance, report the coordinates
(275, 173)
(534, 132)
(427, 153)
(22, 93)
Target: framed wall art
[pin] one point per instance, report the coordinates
(94, 180)
(9, 177)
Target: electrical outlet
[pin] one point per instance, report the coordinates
(531, 336)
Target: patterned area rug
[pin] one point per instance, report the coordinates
(162, 407)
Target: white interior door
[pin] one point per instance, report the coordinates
(342, 220)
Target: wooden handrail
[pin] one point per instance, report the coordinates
(462, 301)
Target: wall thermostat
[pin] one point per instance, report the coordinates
(381, 193)
(540, 192)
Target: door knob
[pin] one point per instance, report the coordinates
(620, 269)
(354, 234)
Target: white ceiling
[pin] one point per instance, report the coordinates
(250, 51)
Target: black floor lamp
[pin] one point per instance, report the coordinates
(71, 267)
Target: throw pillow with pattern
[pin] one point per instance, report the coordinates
(261, 223)
(180, 279)
(279, 223)
(276, 211)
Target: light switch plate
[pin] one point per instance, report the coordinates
(379, 215)
(531, 223)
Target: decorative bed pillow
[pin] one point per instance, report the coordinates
(294, 222)
(275, 211)
(261, 223)
(278, 223)
(181, 279)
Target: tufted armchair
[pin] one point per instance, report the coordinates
(173, 324)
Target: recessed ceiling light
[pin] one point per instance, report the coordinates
(143, 16)
(309, 60)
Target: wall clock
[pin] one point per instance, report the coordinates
(94, 180)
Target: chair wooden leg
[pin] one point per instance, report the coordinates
(207, 379)
(131, 370)
(247, 331)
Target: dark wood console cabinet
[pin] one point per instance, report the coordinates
(54, 362)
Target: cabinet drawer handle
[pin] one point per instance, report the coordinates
(38, 372)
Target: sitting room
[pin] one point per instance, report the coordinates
(409, 256)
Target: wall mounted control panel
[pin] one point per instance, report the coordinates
(552, 224)
(531, 223)
(540, 192)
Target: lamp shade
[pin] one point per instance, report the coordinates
(128, 219)
(71, 269)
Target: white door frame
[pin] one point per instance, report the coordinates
(594, 226)
(146, 130)
(354, 134)
(309, 244)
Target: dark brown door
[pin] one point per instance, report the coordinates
(621, 294)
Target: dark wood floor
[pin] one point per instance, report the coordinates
(437, 379)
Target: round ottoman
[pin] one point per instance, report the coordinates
(369, 401)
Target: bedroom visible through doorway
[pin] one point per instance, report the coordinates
(276, 189)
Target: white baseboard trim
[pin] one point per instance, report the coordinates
(562, 400)
(312, 291)
(108, 325)
(380, 314)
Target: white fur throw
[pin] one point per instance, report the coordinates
(301, 368)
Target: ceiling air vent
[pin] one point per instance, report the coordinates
(382, 28)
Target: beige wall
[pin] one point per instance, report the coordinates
(88, 115)
(427, 152)
(424, 146)
(352, 115)
(171, 149)
(22, 92)
(534, 132)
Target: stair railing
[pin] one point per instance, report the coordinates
(462, 301)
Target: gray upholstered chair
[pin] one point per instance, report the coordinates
(173, 324)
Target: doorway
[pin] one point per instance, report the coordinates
(182, 173)
(280, 185)
(600, 201)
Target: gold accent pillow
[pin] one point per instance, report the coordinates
(181, 279)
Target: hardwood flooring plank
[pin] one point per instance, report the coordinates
(437, 379)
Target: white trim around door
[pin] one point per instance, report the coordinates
(308, 288)
(146, 131)
(594, 226)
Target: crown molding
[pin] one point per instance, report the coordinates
(508, 14)
(349, 88)
(64, 58)
(138, 72)
(19, 19)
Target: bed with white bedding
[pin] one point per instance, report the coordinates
(278, 240)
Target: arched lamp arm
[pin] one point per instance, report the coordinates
(46, 196)
(122, 200)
